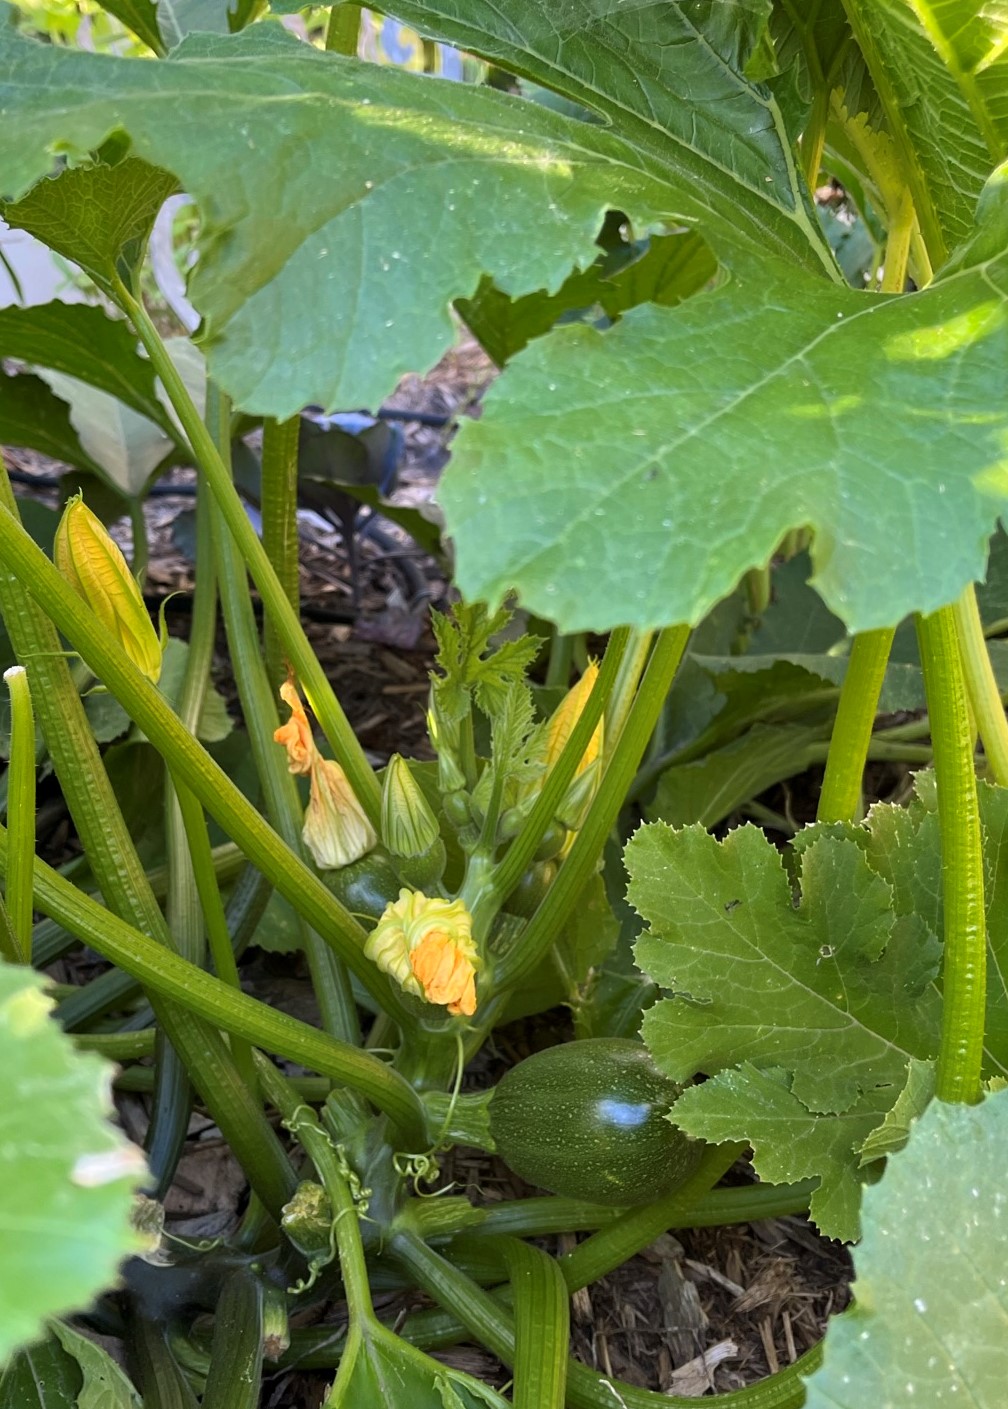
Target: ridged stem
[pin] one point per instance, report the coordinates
(20, 812)
(840, 798)
(964, 967)
(278, 510)
(539, 1217)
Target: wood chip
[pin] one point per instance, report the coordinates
(683, 1317)
(789, 1337)
(770, 1350)
(705, 1273)
(697, 1377)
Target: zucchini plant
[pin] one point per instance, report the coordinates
(765, 473)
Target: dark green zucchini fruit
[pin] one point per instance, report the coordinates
(588, 1119)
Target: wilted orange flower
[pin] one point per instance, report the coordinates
(336, 828)
(296, 734)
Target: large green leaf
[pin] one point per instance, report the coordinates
(667, 270)
(785, 1016)
(32, 417)
(940, 68)
(126, 445)
(94, 213)
(804, 1018)
(632, 64)
(69, 1176)
(634, 475)
(81, 341)
(41, 1376)
(310, 255)
(930, 1300)
(106, 1385)
(707, 789)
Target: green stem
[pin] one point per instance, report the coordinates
(278, 508)
(539, 1217)
(343, 30)
(330, 981)
(302, 1121)
(563, 894)
(117, 1046)
(542, 1327)
(982, 686)
(964, 988)
(21, 811)
(198, 992)
(757, 586)
(188, 761)
(902, 223)
(813, 139)
(624, 692)
(214, 917)
(182, 909)
(561, 657)
(840, 799)
(295, 643)
(638, 1227)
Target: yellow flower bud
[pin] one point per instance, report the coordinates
(90, 560)
(426, 945)
(408, 825)
(336, 828)
(566, 715)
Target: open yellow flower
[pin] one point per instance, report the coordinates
(426, 944)
(336, 828)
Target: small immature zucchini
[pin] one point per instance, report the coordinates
(588, 1119)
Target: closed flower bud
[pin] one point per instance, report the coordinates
(90, 560)
(336, 828)
(586, 775)
(426, 945)
(566, 715)
(408, 825)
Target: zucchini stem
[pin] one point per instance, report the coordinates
(965, 962)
